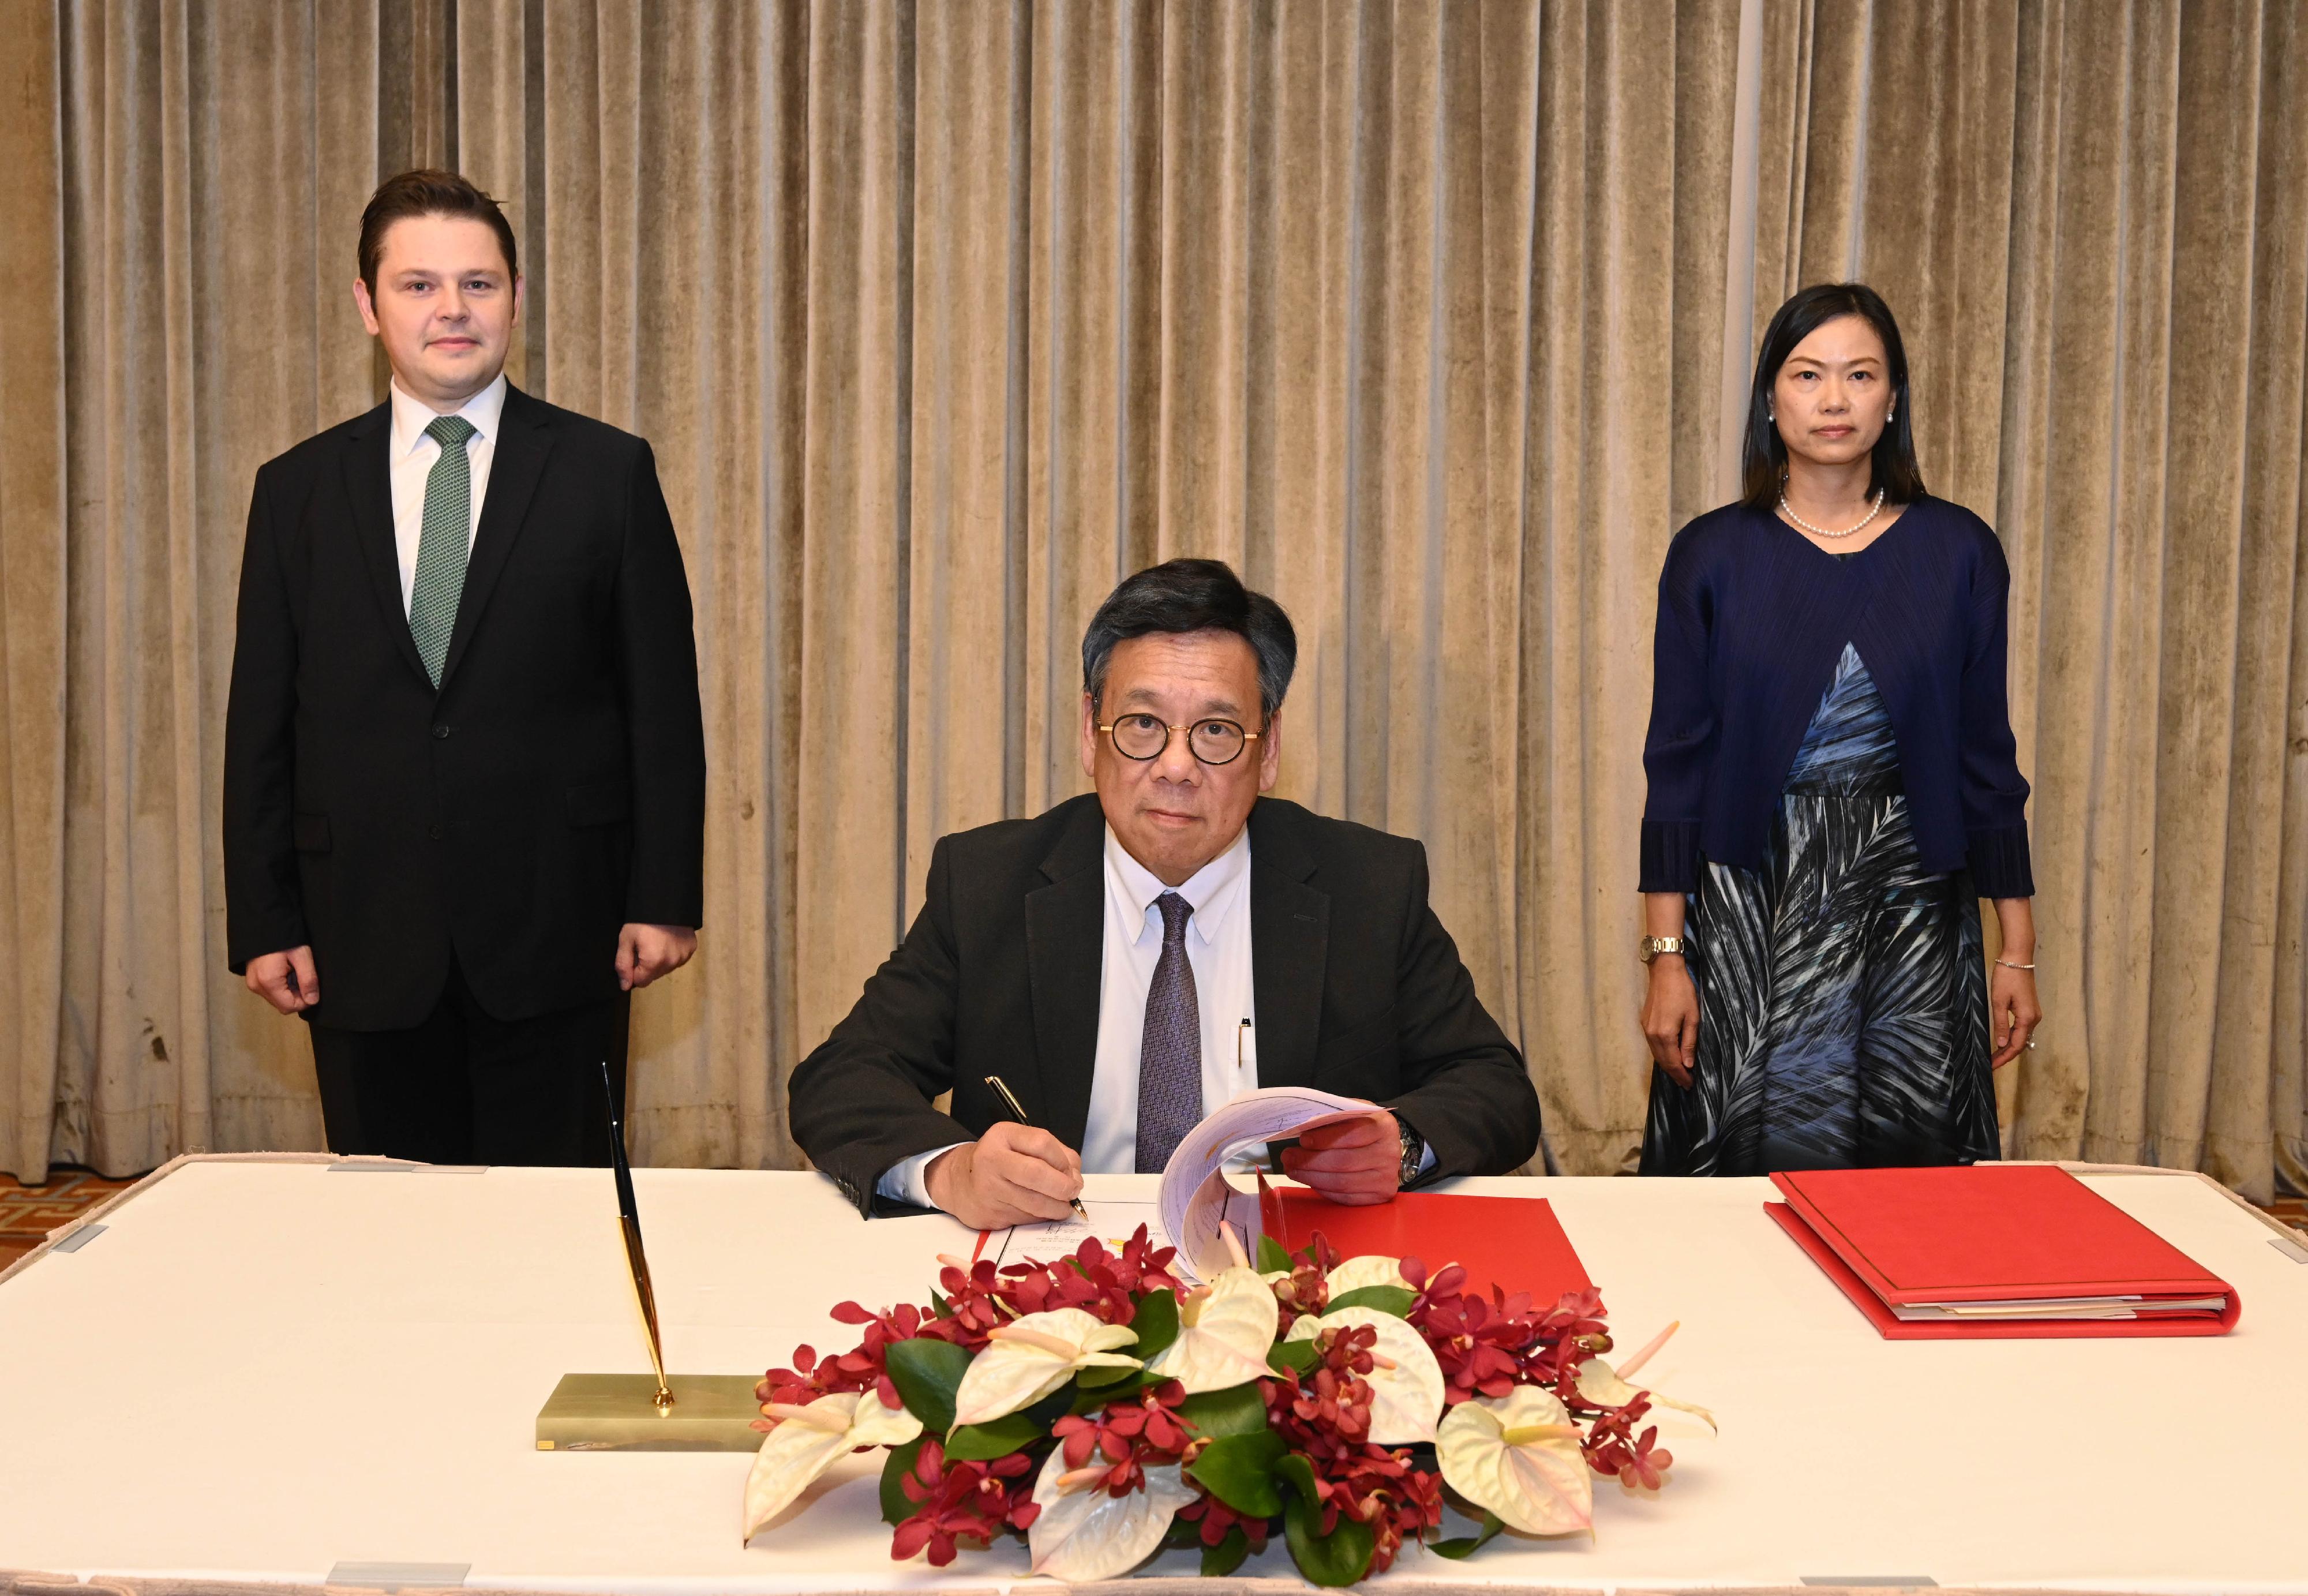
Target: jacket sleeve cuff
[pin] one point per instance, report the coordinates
(2000, 863)
(277, 934)
(1670, 857)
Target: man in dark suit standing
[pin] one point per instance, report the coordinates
(1136, 957)
(464, 781)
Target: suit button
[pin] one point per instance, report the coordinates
(432, 832)
(440, 731)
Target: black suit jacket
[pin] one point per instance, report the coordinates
(1359, 991)
(551, 790)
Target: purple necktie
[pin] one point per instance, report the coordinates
(1170, 1057)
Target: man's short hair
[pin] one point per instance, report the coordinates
(428, 191)
(1182, 596)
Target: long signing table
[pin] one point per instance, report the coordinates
(285, 1370)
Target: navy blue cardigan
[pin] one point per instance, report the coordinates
(1752, 618)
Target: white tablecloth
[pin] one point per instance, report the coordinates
(267, 1371)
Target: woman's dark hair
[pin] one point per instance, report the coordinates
(1180, 596)
(1763, 466)
(426, 192)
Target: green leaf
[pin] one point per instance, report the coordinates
(927, 1372)
(998, 1437)
(1387, 1300)
(1238, 1411)
(896, 1506)
(1088, 1397)
(1293, 1357)
(1180, 1535)
(1342, 1557)
(1227, 1556)
(1272, 1256)
(1239, 1471)
(1467, 1546)
(1155, 1321)
(941, 1306)
(1050, 1408)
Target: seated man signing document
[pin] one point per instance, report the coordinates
(1137, 957)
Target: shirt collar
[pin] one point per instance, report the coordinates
(1212, 891)
(411, 416)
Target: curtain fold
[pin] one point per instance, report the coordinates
(1432, 318)
(33, 494)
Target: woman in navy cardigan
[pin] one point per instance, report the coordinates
(1833, 786)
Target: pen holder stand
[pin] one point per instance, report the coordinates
(619, 1413)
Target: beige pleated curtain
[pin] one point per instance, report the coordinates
(1435, 319)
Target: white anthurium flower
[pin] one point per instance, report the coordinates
(1371, 1269)
(1607, 1387)
(1518, 1455)
(1602, 1385)
(1083, 1532)
(1406, 1385)
(810, 1440)
(1223, 1333)
(1031, 1357)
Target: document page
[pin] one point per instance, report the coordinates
(1113, 1223)
(1195, 1196)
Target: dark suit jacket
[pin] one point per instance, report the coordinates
(1359, 991)
(551, 790)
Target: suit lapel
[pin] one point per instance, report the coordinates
(1065, 947)
(524, 439)
(368, 489)
(1290, 946)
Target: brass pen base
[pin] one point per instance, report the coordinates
(619, 1413)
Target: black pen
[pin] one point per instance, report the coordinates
(1017, 1112)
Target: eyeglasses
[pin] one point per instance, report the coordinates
(1145, 737)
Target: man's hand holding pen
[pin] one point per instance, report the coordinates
(1012, 1175)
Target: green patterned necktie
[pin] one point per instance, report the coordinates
(441, 546)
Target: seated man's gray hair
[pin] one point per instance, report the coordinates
(1182, 596)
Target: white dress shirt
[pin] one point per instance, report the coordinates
(1217, 951)
(412, 459)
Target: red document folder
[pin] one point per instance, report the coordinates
(2021, 1242)
(1513, 1242)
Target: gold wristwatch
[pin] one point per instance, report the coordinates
(1653, 946)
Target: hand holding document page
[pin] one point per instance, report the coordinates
(1195, 1196)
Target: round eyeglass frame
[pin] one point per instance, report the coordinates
(1247, 737)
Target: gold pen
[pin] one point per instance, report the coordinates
(1017, 1112)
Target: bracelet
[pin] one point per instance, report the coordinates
(2007, 965)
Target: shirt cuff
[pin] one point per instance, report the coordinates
(906, 1181)
(1670, 857)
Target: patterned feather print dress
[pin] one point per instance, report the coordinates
(1842, 992)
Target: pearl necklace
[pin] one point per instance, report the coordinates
(1821, 532)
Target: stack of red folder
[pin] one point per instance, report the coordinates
(1995, 1250)
(1515, 1242)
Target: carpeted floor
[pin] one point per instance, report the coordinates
(28, 1212)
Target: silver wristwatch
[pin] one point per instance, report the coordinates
(1414, 1150)
(1653, 946)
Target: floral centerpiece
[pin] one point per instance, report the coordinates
(1103, 1410)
